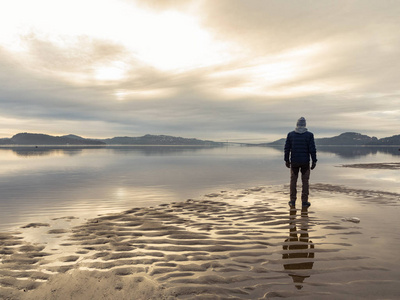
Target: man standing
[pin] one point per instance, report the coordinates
(299, 147)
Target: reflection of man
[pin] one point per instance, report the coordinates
(298, 249)
(299, 147)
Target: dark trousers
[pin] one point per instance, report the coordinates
(305, 177)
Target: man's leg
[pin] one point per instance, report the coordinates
(305, 177)
(294, 174)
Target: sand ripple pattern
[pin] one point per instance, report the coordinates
(230, 245)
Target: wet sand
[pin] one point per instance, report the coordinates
(386, 166)
(241, 244)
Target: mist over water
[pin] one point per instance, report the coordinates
(42, 182)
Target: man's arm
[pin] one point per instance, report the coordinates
(287, 149)
(313, 152)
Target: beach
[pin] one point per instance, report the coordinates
(234, 244)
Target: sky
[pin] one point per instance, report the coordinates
(212, 69)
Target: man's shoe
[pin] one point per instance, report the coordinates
(292, 203)
(306, 204)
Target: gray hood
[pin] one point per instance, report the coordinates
(300, 129)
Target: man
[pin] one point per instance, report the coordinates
(299, 147)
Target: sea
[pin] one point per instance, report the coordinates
(41, 182)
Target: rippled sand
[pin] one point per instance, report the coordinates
(229, 245)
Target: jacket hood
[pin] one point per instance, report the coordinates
(300, 129)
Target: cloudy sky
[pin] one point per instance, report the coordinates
(239, 70)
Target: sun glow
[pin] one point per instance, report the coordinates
(168, 41)
(175, 41)
(110, 72)
(122, 95)
(272, 75)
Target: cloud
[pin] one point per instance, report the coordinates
(275, 25)
(357, 38)
(266, 64)
(76, 58)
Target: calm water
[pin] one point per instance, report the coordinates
(40, 183)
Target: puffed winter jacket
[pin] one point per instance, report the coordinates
(300, 146)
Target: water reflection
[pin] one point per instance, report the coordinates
(345, 152)
(43, 180)
(38, 185)
(351, 152)
(26, 151)
(156, 150)
(298, 249)
(45, 152)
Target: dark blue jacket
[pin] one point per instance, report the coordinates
(300, 146)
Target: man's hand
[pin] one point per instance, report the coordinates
(287, 164)
(313, 165)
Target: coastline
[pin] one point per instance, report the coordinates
(237, 244)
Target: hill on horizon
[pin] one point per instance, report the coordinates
(344, 139)
(348, 139)
(71, 139)
(45, 139)
(150, 139)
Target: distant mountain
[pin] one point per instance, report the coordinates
(45, 139)
(6, 141)
(71, 139)
(393, 140)
(348, 139)
(73, 136)
(344, 139)
(149, 139)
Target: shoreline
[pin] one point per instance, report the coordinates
(386, 166)
(230, 244)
